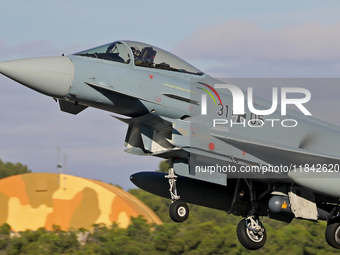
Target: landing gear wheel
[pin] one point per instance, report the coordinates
(332, 235)
(179, 211)
(251, 234)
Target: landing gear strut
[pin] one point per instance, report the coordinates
(178, 210)
(250, 231)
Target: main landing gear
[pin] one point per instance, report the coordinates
(332, 233)
(178, 210)
(250, 231)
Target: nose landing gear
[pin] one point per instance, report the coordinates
(178, 210)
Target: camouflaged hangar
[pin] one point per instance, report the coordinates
(31, 201)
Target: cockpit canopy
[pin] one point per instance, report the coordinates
(142, 55)
(116, 51)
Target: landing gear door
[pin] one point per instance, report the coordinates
(303, 203)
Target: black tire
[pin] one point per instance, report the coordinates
(248, 238)
(179, 211)
(332, 235)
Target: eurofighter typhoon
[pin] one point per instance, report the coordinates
(236, 153)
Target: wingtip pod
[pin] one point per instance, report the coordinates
(52, 76)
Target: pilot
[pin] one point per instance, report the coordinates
(135, 51)
(145, 57)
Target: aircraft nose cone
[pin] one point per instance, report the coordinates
(51, 76)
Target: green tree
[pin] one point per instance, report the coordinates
(9, 169)
(163, 167)
(207, 231)
(5, 231)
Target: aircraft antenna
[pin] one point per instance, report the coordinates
(59, 166)
(65, 168)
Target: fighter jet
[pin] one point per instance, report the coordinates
(248, 161)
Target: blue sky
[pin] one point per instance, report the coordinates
(222, 38)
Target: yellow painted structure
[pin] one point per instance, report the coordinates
(31, 201)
